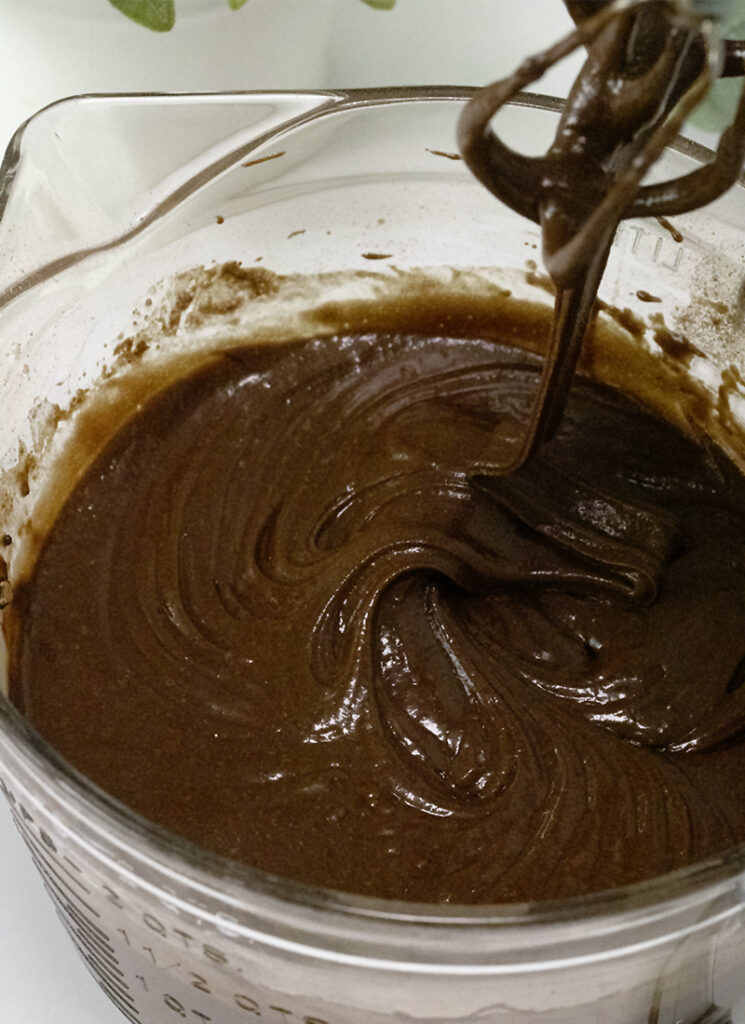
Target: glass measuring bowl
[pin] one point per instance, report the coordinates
(99, 199)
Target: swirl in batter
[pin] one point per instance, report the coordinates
(291, 615)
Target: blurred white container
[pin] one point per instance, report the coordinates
(55, 48)
(50, 49)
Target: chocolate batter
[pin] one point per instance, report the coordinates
(365, 612)
(292, 614)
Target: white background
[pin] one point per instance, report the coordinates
(54, 48)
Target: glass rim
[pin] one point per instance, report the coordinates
(337, 100)
(193, 861)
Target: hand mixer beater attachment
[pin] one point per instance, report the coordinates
(649, 63)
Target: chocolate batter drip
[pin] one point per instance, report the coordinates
(648, 66)
(289, 616)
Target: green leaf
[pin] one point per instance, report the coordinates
(235, 5)
(159, 15)
(381, 5)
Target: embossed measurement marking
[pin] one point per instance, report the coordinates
(78, 916)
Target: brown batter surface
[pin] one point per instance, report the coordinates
(291, 615)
